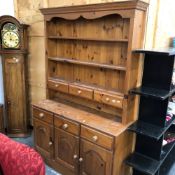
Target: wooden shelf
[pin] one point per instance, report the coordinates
(92, 64)
(87, 39)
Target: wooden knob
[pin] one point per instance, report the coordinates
(75, 156)
(118, 101)
(50, 143)
(113, 101)
(65, 126)
(107, 99)
(79, 92)
(56, 85)
(94, 138)
(80, 159)
(17, 60)
(41, 115)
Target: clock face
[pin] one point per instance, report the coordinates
(10, 39)
(10, 36)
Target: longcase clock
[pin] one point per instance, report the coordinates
(13, 50)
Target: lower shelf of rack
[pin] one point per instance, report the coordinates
(168, 167)
(148, 165)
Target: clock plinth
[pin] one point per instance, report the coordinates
(13, 50)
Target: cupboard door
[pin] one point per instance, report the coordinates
(94, 159)
(43, 136)
(15, 93)
(67, 149)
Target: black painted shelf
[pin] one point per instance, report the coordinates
(146, 164)
(149, 130)
(152, 92)
(162, 51)
(143, 163)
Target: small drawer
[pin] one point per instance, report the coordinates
(81, 91)
(43, 115)
(109, 98)
(66, 125)
(58, 85)
(97, 137)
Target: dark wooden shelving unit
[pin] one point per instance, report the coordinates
(152, 125)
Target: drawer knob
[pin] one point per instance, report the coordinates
(113, 101)
(79, 92)
(94, 138)
(41, 115)
(80, 159)
(75, 156)
(65, 126)
(50, 143)
(56, 85)
(17, 60)
(118, 101)
(107, 99)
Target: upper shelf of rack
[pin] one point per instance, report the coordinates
(162, 51)
(152, 92)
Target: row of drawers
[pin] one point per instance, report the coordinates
(88, 93)
(73, 127)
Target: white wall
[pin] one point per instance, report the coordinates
(6, 8)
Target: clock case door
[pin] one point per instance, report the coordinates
(15, 69)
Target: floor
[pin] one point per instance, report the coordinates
(29, 141)
(167, 169)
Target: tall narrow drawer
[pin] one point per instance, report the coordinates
(97, 137)
(58, 85)
(43, 115)
(109, 98)
(81, 91)
(66, 125)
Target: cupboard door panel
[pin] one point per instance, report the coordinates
(94, 160)
(66, 149)
(14, 79)
(43, 136)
